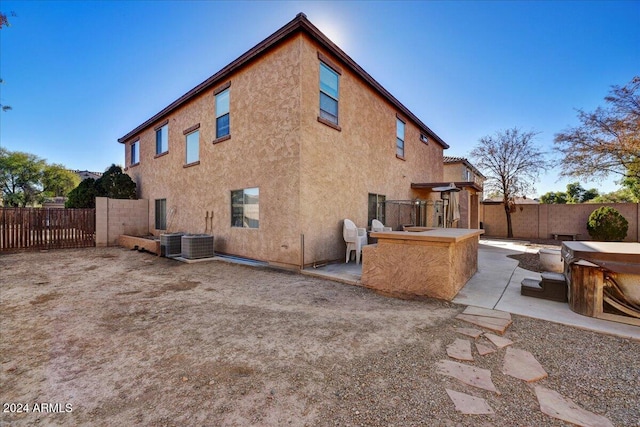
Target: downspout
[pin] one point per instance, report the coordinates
(301, 251)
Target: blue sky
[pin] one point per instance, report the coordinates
(79, 75)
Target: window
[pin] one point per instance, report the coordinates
(424, 138)
(399, 138)
(162, 139)
(135, 153)
(245, 208)
(161, 214)
(376, 208)
(467, 175)
(222, 114)
(329, 83)
(193, 147)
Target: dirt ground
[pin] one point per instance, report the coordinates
(107, 336)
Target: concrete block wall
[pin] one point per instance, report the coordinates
(115, 217)
(540, 221)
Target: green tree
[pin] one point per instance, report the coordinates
(577, 194)
(512, 163)
(607, 224)
(607, 140)
(113, 184)
(623, 195)
(557, 197)
(20, 177)
(83, 196)
(58, 181)
(4, 22)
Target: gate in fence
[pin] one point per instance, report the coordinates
(41, 228)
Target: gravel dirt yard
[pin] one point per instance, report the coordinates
(107, 336)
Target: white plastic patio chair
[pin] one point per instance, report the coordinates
(378, 226)
(355, 238)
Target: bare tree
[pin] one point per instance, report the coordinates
(512, 164)
(608, 139)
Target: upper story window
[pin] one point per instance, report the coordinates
(162, 139)
(222, 114)
(329, 89)
(245, 208)
(399, 138)
(193, 147)
(135, 153)
(424, 138)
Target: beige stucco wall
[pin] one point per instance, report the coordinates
(340, 168)
(310, 176)
(533, 221)
(262, 152)
(115, 217)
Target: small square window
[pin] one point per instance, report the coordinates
(245, 208)
(424, 138)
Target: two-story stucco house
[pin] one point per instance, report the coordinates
(274, 151)
(471, 182)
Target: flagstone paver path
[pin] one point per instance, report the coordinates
(460, 349)
(470, 332)
(494, 320)
(518, 363)
(468, 404)
(522, 365)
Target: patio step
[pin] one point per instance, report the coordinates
(553, 286)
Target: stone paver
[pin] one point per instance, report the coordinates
(486, 312)
(492, 323)
(470, 332)
(498, 341)
(460, 349)
(468, 404)
(522, 365)
(469, 375)
(557, 406)
(483, 349)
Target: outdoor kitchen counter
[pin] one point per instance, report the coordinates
(433, 263)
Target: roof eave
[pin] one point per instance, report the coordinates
(299, 23)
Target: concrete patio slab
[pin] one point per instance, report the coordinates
(496, 285)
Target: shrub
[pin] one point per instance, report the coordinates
(607, 224)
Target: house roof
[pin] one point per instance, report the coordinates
(449, 160)
(87, 174)
(433, 185)
(299, 24)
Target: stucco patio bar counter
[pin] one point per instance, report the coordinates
(433, 263)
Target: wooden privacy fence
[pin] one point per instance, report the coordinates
(39, 228)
